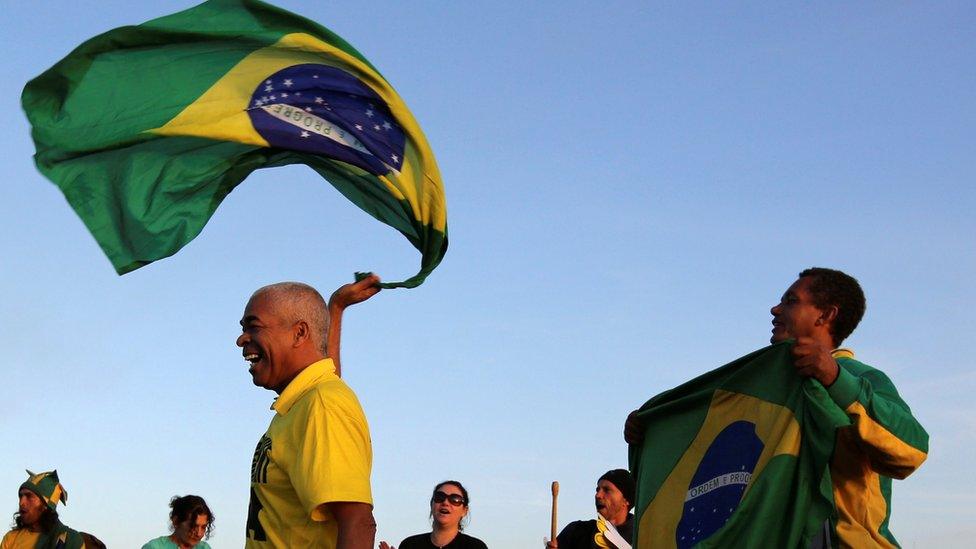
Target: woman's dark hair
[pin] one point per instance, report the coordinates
(464, 494)
(190, 507)
(49, 517)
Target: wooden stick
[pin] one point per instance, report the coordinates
(555, 494)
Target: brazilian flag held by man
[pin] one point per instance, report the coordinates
(147, 128)
(737, 457)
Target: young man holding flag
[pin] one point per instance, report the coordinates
(884, 440)
(876, 439)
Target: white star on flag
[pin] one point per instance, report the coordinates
(304, 133)
(288, 82)
(268, 88)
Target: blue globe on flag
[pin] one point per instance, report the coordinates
(324, 110)
(717, 486)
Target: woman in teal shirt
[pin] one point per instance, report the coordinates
(192, 522)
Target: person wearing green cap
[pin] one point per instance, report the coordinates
(37, 522)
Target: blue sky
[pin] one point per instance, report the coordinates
(630, 187)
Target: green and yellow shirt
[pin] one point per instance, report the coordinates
(884, 441)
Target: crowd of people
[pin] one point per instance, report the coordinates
(310, 473)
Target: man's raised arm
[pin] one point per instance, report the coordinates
(346, 295)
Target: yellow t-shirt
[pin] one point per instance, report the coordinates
(316, 450)
(19, 539)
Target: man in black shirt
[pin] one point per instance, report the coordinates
(614, 497)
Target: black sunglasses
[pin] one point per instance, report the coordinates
(455, 499)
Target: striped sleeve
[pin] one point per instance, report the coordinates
(892, 439)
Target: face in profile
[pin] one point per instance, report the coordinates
(266, 340)
(191, 531)
(795, 315)
(30, 507)
(610, 501)
(448, 506)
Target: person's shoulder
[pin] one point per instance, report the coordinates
(879, 380)
(416, 540)
(577, 530)
(333, 394)
(202, 545)
(845, 359)
(91, 542)
(162, 542)
(471, 542)
(74, 539)
(157, 543)
(331, 385)
(12, 535)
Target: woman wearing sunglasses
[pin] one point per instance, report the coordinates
(448, 505)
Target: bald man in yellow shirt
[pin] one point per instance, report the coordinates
(310, 476)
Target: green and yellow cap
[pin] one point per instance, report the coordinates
(47, 487)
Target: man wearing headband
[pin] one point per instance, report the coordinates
(37, 523)
(613, 499)
(310, 485)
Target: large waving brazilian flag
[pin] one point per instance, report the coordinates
(738, 457)
(147, 128)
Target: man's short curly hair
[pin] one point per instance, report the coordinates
(829, 287)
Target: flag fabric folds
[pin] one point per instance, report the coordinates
(738, 457)
(147, 128)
